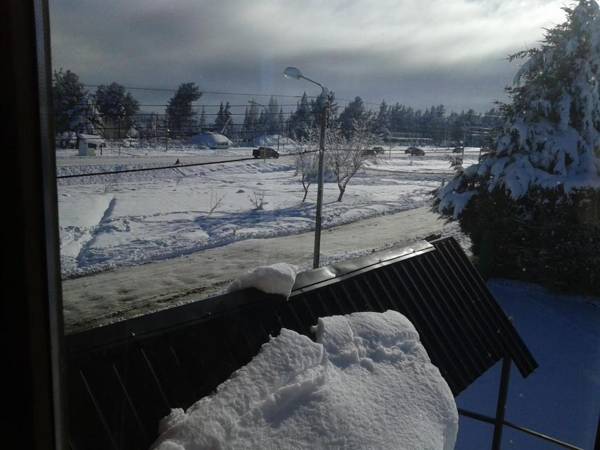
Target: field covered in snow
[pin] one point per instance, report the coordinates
(149, 225)
(116, 220)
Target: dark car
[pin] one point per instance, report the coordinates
(372, 151)
(265, 152)
(415, 151)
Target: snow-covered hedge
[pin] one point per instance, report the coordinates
(545, 159)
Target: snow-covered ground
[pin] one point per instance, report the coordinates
(109, 296)
(562, 397)
(141, 241)
(117, 220)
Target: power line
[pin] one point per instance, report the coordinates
(249, 94)
(176, 166)
(246, 94)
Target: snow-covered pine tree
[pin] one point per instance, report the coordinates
(70, 101)
(532, 205)
(179, 110)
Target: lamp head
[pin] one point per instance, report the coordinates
(292, 72)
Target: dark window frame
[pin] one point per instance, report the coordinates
(31, 288)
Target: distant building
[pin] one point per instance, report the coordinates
(272, 140)
(211, 140)
(408, 139)
(89, 143)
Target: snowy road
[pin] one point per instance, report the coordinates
(114, 295)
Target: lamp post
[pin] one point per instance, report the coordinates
(293, 72)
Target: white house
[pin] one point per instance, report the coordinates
(211, 140)
(89, 143)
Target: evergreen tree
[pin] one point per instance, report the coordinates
(224, 120)
(219, 119)
(355, 112)
(179, 110)
(228, 120)
(269, 117)
(70, 102)
(302, 120)
(539, 184)
(281, 122)
(117, 109)
(382, 121)
(202, 120)
(250, 126)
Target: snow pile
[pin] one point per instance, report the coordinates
(551, 138)
(366, 383)
(276, 279)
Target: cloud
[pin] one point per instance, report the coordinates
(372, 48)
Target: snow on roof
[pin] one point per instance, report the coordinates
(366, 383)
(209, 139)
(91, 137)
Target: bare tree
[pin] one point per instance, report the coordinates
(215, 202)
(257, 199)
(307, 162)
(347, 155)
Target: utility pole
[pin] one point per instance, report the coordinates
(167, 137)
(293, 72)
(318, 218)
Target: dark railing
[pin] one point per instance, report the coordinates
(125, 376)
(500, 422)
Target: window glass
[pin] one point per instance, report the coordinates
(198, 140)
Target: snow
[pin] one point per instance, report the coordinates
(104, 297)
(552, 138)
(211, 140)
(79, 221)
(366, 382)
(562, 397)
(163, 214)
(276, 279)
(177, 235)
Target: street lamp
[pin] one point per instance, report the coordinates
(294, 72)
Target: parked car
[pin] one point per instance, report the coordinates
(265, 152)
(372, 151)
(415, 151)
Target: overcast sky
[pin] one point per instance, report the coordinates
(417, 52)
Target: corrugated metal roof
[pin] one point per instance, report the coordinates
(124, 377)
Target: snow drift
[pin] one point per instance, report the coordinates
(366, 383)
